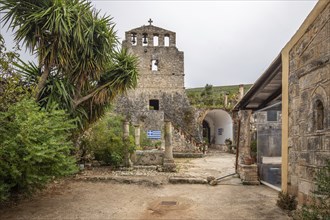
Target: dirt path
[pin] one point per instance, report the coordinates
(72, 199)
(215, 164)
(87, 200)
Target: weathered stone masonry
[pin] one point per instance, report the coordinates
(309, 104)
(160, 93)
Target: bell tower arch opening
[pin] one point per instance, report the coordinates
(217, 127)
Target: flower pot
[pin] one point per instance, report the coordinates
(247, 160)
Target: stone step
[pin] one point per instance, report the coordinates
(250, 182)
(145, 180)
(187, 155)
(187, 180)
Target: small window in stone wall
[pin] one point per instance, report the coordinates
(153, 104)
(145, 40)
(167, 40)
(133, 39)
(155, 39)
(154, 65)
(319, 115)
(272, 115)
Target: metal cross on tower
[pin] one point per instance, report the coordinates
(150, 21)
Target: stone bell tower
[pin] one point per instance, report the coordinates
(161, 65)
(160, 93)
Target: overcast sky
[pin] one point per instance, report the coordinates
(224, 42)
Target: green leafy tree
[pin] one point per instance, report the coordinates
(34, 147)
(12, 88)
(79, 65)
(34, 144)
(206, 95)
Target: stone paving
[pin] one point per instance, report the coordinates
(195, 170)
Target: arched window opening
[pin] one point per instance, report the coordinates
(156, 40)
(167, 40)
(133, 39)
(154, 65)
(319, 115)
(145, 40)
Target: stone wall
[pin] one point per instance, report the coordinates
(309, 116)
(149, 157)
(248, 174)
(181, 143)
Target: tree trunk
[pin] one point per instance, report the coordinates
(42, 81)
(78, 101)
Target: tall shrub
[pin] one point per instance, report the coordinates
(34, 147)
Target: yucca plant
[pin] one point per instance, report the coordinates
(79, 64)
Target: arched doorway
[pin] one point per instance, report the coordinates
(206, 132)
(217, 127)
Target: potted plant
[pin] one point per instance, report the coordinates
(228, 143)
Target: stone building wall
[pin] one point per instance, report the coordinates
(161, 79)
(309, 116)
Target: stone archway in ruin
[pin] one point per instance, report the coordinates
(217, 127)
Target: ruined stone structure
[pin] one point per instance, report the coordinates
(309, 104)
(160, 92)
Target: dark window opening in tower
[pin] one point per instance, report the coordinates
(167, 40)
(155, 40)
(154, 65)
(133, 39)
(319, 113)
(145, 40)
(153, 104)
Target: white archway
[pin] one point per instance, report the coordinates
(220, 126)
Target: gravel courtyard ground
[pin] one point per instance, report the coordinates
(81, 198)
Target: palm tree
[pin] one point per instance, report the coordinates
(79, 65)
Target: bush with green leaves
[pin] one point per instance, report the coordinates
(34, 147)
(105, 141)
(12, 88)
